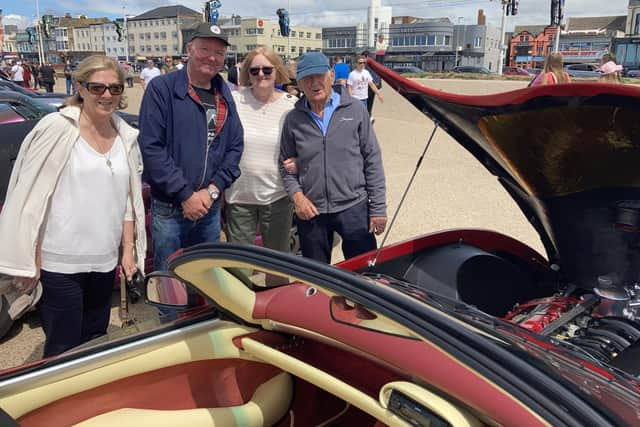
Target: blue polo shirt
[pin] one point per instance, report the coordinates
(329, 108)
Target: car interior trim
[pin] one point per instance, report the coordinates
(209, 340)
(322, 380)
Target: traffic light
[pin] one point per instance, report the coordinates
(514, 7)
(557, 12)
(283, 21)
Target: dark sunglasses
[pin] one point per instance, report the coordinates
(254, 71)
(99, 88)
(361, 62)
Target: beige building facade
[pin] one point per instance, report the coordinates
(247, 33)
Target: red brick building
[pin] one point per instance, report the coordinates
(530, 45)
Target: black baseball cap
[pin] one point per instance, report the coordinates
(207, 30)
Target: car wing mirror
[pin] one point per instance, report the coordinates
(163, 288)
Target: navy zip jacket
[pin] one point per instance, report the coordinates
(173, 140)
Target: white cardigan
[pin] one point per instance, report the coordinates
(42, 157)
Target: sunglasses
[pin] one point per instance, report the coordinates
(254, 71)
(99, 88)
(361, 62)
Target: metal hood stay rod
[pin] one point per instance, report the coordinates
(372, 263)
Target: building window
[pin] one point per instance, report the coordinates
(148, 36)
(318, 36)
(174, 34)
(164, 47)
(175, 47)
(157, 48)
(163, 35)
(253, 31)
(156, 36)
(477, 42)
(292, 34)
(636, 28)
(431, 40)
(308, 35)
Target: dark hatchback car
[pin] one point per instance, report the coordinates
(472, 70)
(54, 99)
(515, 71)
(407, 70)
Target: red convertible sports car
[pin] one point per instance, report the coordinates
(457, 328)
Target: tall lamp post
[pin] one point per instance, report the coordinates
(41, 57)
(126, 35)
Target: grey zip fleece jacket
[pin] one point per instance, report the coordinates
(339, 170)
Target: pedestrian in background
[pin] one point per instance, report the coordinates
(48, 76)
(258, 197)
(26, 73)
(609, 70)
(149, 73)
(68, 71)
(341, 71)
(291, 87)
(552, 71)
(381, 48)
(17, 73)
(84, 155)
(191, 141)
(35, 71)
(167, 67)
(130, 74)
(338, 184)
(360, 81)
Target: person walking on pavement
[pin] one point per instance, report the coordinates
(360, 80)
(337, 180)
(191, 140)
(68, 72)
(149, 73)
(48, 75)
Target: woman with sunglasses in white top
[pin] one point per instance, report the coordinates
(258, 197)
(74, 208)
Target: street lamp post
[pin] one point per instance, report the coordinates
(126, 35)
(41, 56)
(502, 49)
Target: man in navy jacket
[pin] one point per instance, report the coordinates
(191, 141)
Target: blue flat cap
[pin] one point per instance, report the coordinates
(312, 63)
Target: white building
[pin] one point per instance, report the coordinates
(378, 18)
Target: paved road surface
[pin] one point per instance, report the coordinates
(450, 190)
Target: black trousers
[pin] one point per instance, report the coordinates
(49, 86)
(316, 234)
(74, 308)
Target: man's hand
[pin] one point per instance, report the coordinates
(380, 97)
(290, 166)
(196, 206)
(377, 224)
(303, 207)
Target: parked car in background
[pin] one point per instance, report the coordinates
(16, 107)
(53, 99)
(582, 70)
(633, 74)
(472, 69)
(515, 71)
(407, 70)
(533, 71)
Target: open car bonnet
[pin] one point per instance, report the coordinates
(568, 155)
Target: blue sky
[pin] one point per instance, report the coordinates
(319, 12)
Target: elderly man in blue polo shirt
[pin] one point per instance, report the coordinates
(338, 184)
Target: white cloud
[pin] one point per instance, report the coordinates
(21, 21)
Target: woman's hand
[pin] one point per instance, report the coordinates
(290, 166)
(128, 262)
(26, 284)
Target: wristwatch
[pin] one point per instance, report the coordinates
(214, 194)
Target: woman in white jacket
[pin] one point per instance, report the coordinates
(74, 208)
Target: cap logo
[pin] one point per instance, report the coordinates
(215, 29)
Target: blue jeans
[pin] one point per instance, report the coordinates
(171, 231)
(70, 88)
